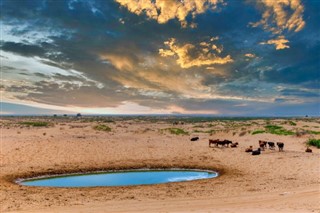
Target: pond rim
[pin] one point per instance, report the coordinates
(19, 181)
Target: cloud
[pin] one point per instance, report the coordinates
(300, 92)
(281, 15)
(101, 57)
(250, 55)
(190, 55)
(164, 10)
(280, 42)
(119, 61)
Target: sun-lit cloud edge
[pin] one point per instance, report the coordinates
(190, 55)
(164, 10)
(280, 17)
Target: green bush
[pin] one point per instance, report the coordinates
(102, 127)
(35, 123)
(177, 131)
(273, 129)
(314, 142)
(278, 130)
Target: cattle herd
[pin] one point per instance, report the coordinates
(262, 145)
(223, 143)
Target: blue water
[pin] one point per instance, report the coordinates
(120, 178)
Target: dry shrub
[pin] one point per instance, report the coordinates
(242, 133)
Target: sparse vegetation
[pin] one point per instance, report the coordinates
(102, 127)
(210, 131)
(313, 132)
(278, 130)
(177, 131)
(273, 129)
(210, 125)
(314, 142)
(258, 132)
(198, 126)
(35, 123)
(292, 123)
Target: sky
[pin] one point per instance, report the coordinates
(212, 57)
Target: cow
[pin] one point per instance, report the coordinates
(226, 142)
(213, 142)
(308, 149)
(194, 139)
(256, 152)
(271, 145)
(262, 145)
(280, 146)
(234, 145)
(249, 149)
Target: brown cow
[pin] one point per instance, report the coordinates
(249, 149)
(213, 142)
(308, 149)
(262, 145)
(280, 146)
(234, 145)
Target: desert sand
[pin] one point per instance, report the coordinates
(274, 181)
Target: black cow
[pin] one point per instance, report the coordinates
(271, 145)
(226, 142)
(194, 139)
(256, 152)
(280, 146)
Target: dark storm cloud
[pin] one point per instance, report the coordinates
(23, 49)
(21, 109)
(297, 65)
(300, 93)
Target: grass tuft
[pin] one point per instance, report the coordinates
(314, 132)
(258, 132)
(292, 123)
(35, 123)
(102, 127)
(314, 142)
(273, 129)
(177, 131)
(278, 130)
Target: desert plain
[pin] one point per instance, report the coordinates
(273, 181)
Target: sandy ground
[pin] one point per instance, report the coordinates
(274, 181)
